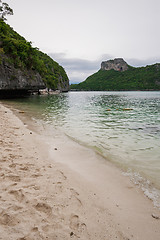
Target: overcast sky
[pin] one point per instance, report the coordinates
(79, 34)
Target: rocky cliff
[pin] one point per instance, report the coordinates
(118, 64)
(63, 85)
(12, 78)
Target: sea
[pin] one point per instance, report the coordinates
(123, 127)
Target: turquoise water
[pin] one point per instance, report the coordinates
(124, 127)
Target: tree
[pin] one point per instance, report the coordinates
(5, 10)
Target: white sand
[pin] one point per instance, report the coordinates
(68, 193)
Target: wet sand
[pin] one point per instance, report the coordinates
(58, 189)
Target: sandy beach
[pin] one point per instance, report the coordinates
(58, 189)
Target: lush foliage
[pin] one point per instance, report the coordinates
(143, 78)
(22, 55)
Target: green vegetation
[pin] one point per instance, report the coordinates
(143, 78)
(21, 54)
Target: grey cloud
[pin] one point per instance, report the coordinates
(139, 62)
(74, 63)
(78, 69)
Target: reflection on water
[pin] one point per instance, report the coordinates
(123, 126)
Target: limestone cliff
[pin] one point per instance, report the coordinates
(63, 85)
(12, 78)
(118, 64)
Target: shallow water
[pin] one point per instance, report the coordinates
(124, 127)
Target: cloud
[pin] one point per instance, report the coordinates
(74, 63)
(142, 62)
(78, 69)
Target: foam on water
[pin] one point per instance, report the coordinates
(147, 187)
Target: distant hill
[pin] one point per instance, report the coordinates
(117, 75)
(24, 68)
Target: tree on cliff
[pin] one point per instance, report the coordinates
(5, 10)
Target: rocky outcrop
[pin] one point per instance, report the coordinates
(118, 64)
(12, 78)
(63, 84)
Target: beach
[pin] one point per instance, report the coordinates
(59, 189)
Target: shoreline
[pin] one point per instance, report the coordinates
(48, 192)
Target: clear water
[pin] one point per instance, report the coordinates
(124, 127)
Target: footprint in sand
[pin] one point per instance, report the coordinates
(59, 187)
(8, 149)
(62, 175)
(4, 159)
(7, 219)
(44, 207)
(13, 165)
(37, 188)
(36, 175)
(14, 178)
(74, 222)
(17, 208)
(74, 196)
(18, 194)
(25, 168)
(11, 156)
(76, 225)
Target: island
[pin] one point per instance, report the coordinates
(117, 75)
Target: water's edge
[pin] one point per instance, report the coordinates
(43, 126)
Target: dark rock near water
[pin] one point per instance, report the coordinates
(17, 82)
(14, 80)
(63, 84)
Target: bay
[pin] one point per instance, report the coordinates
(124, 127)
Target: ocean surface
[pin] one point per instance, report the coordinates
(124, 127)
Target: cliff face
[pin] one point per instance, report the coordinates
(16, 79)
(63, 85)
(118, 64)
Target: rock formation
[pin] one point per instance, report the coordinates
(63, 84)
(118, 64)
(12, 78)
(15, 82)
